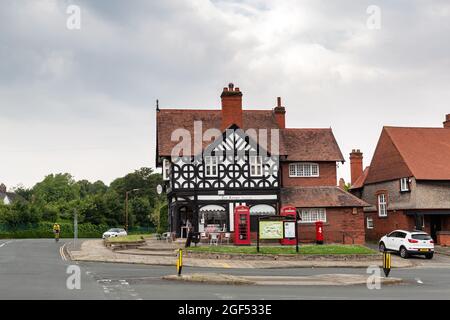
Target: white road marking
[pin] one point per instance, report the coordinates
(61, 252)
(5, 243)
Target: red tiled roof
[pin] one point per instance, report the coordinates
(296, 144)
(359, 183)
(311, 145)
(319, 197)
(421, 152)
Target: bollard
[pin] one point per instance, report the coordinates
(386, 263)
(179, 261)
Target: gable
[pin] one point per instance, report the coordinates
(426, 151)
(387, 162)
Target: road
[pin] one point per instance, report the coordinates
(36, 269)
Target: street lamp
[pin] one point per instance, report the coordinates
(126, 207)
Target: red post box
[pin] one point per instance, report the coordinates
(289, 211)
(242, 226)
(319, 232)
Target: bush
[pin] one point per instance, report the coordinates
(164, 219)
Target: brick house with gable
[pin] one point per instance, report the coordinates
(250, 158)
(407, 182)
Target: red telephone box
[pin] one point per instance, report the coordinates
(289, 211)
(242, 226)
(319, 232)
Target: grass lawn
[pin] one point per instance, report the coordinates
(129, 238)
(304, 249)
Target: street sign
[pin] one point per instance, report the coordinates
(159, 189)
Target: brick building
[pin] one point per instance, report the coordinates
(407, 183)
(214, 160)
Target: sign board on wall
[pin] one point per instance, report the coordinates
(271, 230)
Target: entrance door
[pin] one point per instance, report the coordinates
(435, 226)
(185, 221)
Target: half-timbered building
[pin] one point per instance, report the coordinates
(215, 160)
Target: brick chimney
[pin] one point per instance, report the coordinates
(280, 114)
(356, 165)
(447, 121)
(231, 107)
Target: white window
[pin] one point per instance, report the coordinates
(256, 167)
(313, 215)
(303, 170)
(404, 184)
(369, 223)
(166, 169)
(382, 205)
(211, 166)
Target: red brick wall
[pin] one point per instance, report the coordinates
(327, 176)
(384, 225)
(342, 226)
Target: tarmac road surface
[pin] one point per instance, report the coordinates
(37, 269)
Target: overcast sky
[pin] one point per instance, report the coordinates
(82, 101)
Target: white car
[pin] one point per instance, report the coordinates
(408, 243)
(114, 232)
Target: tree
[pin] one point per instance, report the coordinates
(57, 188)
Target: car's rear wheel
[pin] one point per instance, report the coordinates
(382, 247)
(429, 256)
(404, 253)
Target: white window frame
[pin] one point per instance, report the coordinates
(304, 170)
(211, 166)
(256, 166)
(382, 205)
(404, 185)
(369, 223)
(166, 169)
(312, 215)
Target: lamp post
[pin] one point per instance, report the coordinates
(126, 207)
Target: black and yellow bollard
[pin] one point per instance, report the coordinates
(386, 263)
(179, 261)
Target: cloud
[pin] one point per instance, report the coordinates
(83, 100)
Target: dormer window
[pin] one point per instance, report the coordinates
(404, 185)
(166, 169)
(211, 166)
(303, 170)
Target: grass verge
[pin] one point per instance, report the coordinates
(130, 238)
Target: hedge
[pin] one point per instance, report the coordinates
(45, 230)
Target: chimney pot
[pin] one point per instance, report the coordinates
(231, 107)
(356, 165)
(447, 121)
(280, 114)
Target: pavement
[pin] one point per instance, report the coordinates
(165, 255)
(37, 269)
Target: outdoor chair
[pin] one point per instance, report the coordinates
(214, 239)
(227, 237)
